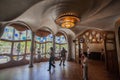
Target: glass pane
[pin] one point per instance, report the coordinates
(37, 38)
(49, 37)
(28, 47)
(62, 39)
(5, 47)
(57, 39)
(16, 35)
(29, 34)
(42, 39)
(8, 33)
(48, 45)
(4, 59)
(17, 58)
(43, 50)
(57, 48)
(19, 48)
(37, 48)
(23, 35)
(38, 51)
(27, 57)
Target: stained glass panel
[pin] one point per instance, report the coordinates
(23, 35)
(16, 35)
(49, 37)
(29, 34)
(8, 33)
(5, 47)
(19, 48)
(60, 39)
(4, 59)
(37, 38)
(28, 47)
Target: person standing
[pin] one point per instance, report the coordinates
(88, 52)
(51, 60)
(84, 66)
(62, 56)
(102, 54)
(39, 55)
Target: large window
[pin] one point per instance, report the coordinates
(14, 42)
(60, 43)
(44, 43)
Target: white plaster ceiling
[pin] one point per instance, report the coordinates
(99, 14)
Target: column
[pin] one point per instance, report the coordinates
(32, 51)
(25, 44)
(1, 30)
(54, 43)
(12, 46)
(69, 48)
(45, 47)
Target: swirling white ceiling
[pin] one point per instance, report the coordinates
(100, 14)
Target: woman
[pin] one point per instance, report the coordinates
(84, 66)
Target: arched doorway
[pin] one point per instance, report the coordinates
(102, 47)
(88, 40)
(43, 42)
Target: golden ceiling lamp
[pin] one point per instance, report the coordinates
(67, 20)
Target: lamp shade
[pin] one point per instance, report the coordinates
(67, 21)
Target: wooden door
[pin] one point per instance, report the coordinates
(111, 53)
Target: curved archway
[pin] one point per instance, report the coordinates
(64, 33)
(47, 29)
(43, 42)
(61, 41)
(70, 36)
(86, 43)
(82, 32)
(18, 23)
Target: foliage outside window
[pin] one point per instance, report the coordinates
(5, 47)
(28, 47)
(19, 48)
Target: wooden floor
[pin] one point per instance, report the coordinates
(71, 71)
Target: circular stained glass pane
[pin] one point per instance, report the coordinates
(4, 59)
(17, 58)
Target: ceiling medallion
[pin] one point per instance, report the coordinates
(67, 20)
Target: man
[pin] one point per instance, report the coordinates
(62, 56)
(39, 55)
(51, 59)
